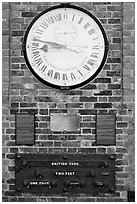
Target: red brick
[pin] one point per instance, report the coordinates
(70, 143)
(16, 46)
(31, 199)
(129, 79)
(114, 21)
(102, 105)
(5, 52)
(114, 8)
(90, 125)
(87, 150)
(4, 186)
(103, 99)
(85, 143)
(10, 156)
(87, 112)
(48, 143)
(5, 42)
(127, 65)
(115, 99)
(88, 99)
(56, 199)
(74, 105)
(110, 150)
(110, 200)
(19, 21)
(114, 86)
(86, 131)
(57, 144)
(29, 14)
(113, 73)
(129, 17)
(28, 105)
(43, 111)
(88, 199)
(5, 5)
(115, 46)
(87, 118)
(102, 80)
(57, 150)
(114, 60)
(42, 199)
(128, 39)
(101, 150)
(129, 26)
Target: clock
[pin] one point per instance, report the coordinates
(65, 46)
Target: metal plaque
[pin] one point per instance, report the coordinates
(25, 129)
(105, 129)
(49, 174)
(64, 122)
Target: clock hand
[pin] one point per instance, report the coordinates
(67, 48)
(53, 45)
(44, 48)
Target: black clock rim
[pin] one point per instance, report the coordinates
(90, 79)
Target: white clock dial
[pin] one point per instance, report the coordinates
(65, 46)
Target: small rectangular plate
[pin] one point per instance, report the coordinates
(64, 122)
(25, 129)
(105, 129)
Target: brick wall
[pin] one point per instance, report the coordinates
(111, 92)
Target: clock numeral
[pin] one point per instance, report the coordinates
(43, 68)
(80, 72)
(73, 17)
(50, 73)
(80, 20)
(38, 61)
(39, 31)
(35, 46)
(65, 16)
(94, 55)
(91, 62)
(58, 17)
(54, 19)
(92, 31)
(35, 54)
(57, 76)
(86, 67)
(44, 25)
(86, 25)
(50, 20)
(72, 76)
(95, 38)
(95, 47)
(64, 76)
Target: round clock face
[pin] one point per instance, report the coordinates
(65, 46)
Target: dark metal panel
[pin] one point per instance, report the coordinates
(25, 129)
(64, 122)
(105, 129)
(131, 196)
(48, 174)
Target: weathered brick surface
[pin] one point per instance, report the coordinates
(112, 91)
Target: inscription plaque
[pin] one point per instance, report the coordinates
(105, 129)
(50, 174)
(25, 129)
(64, 122)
